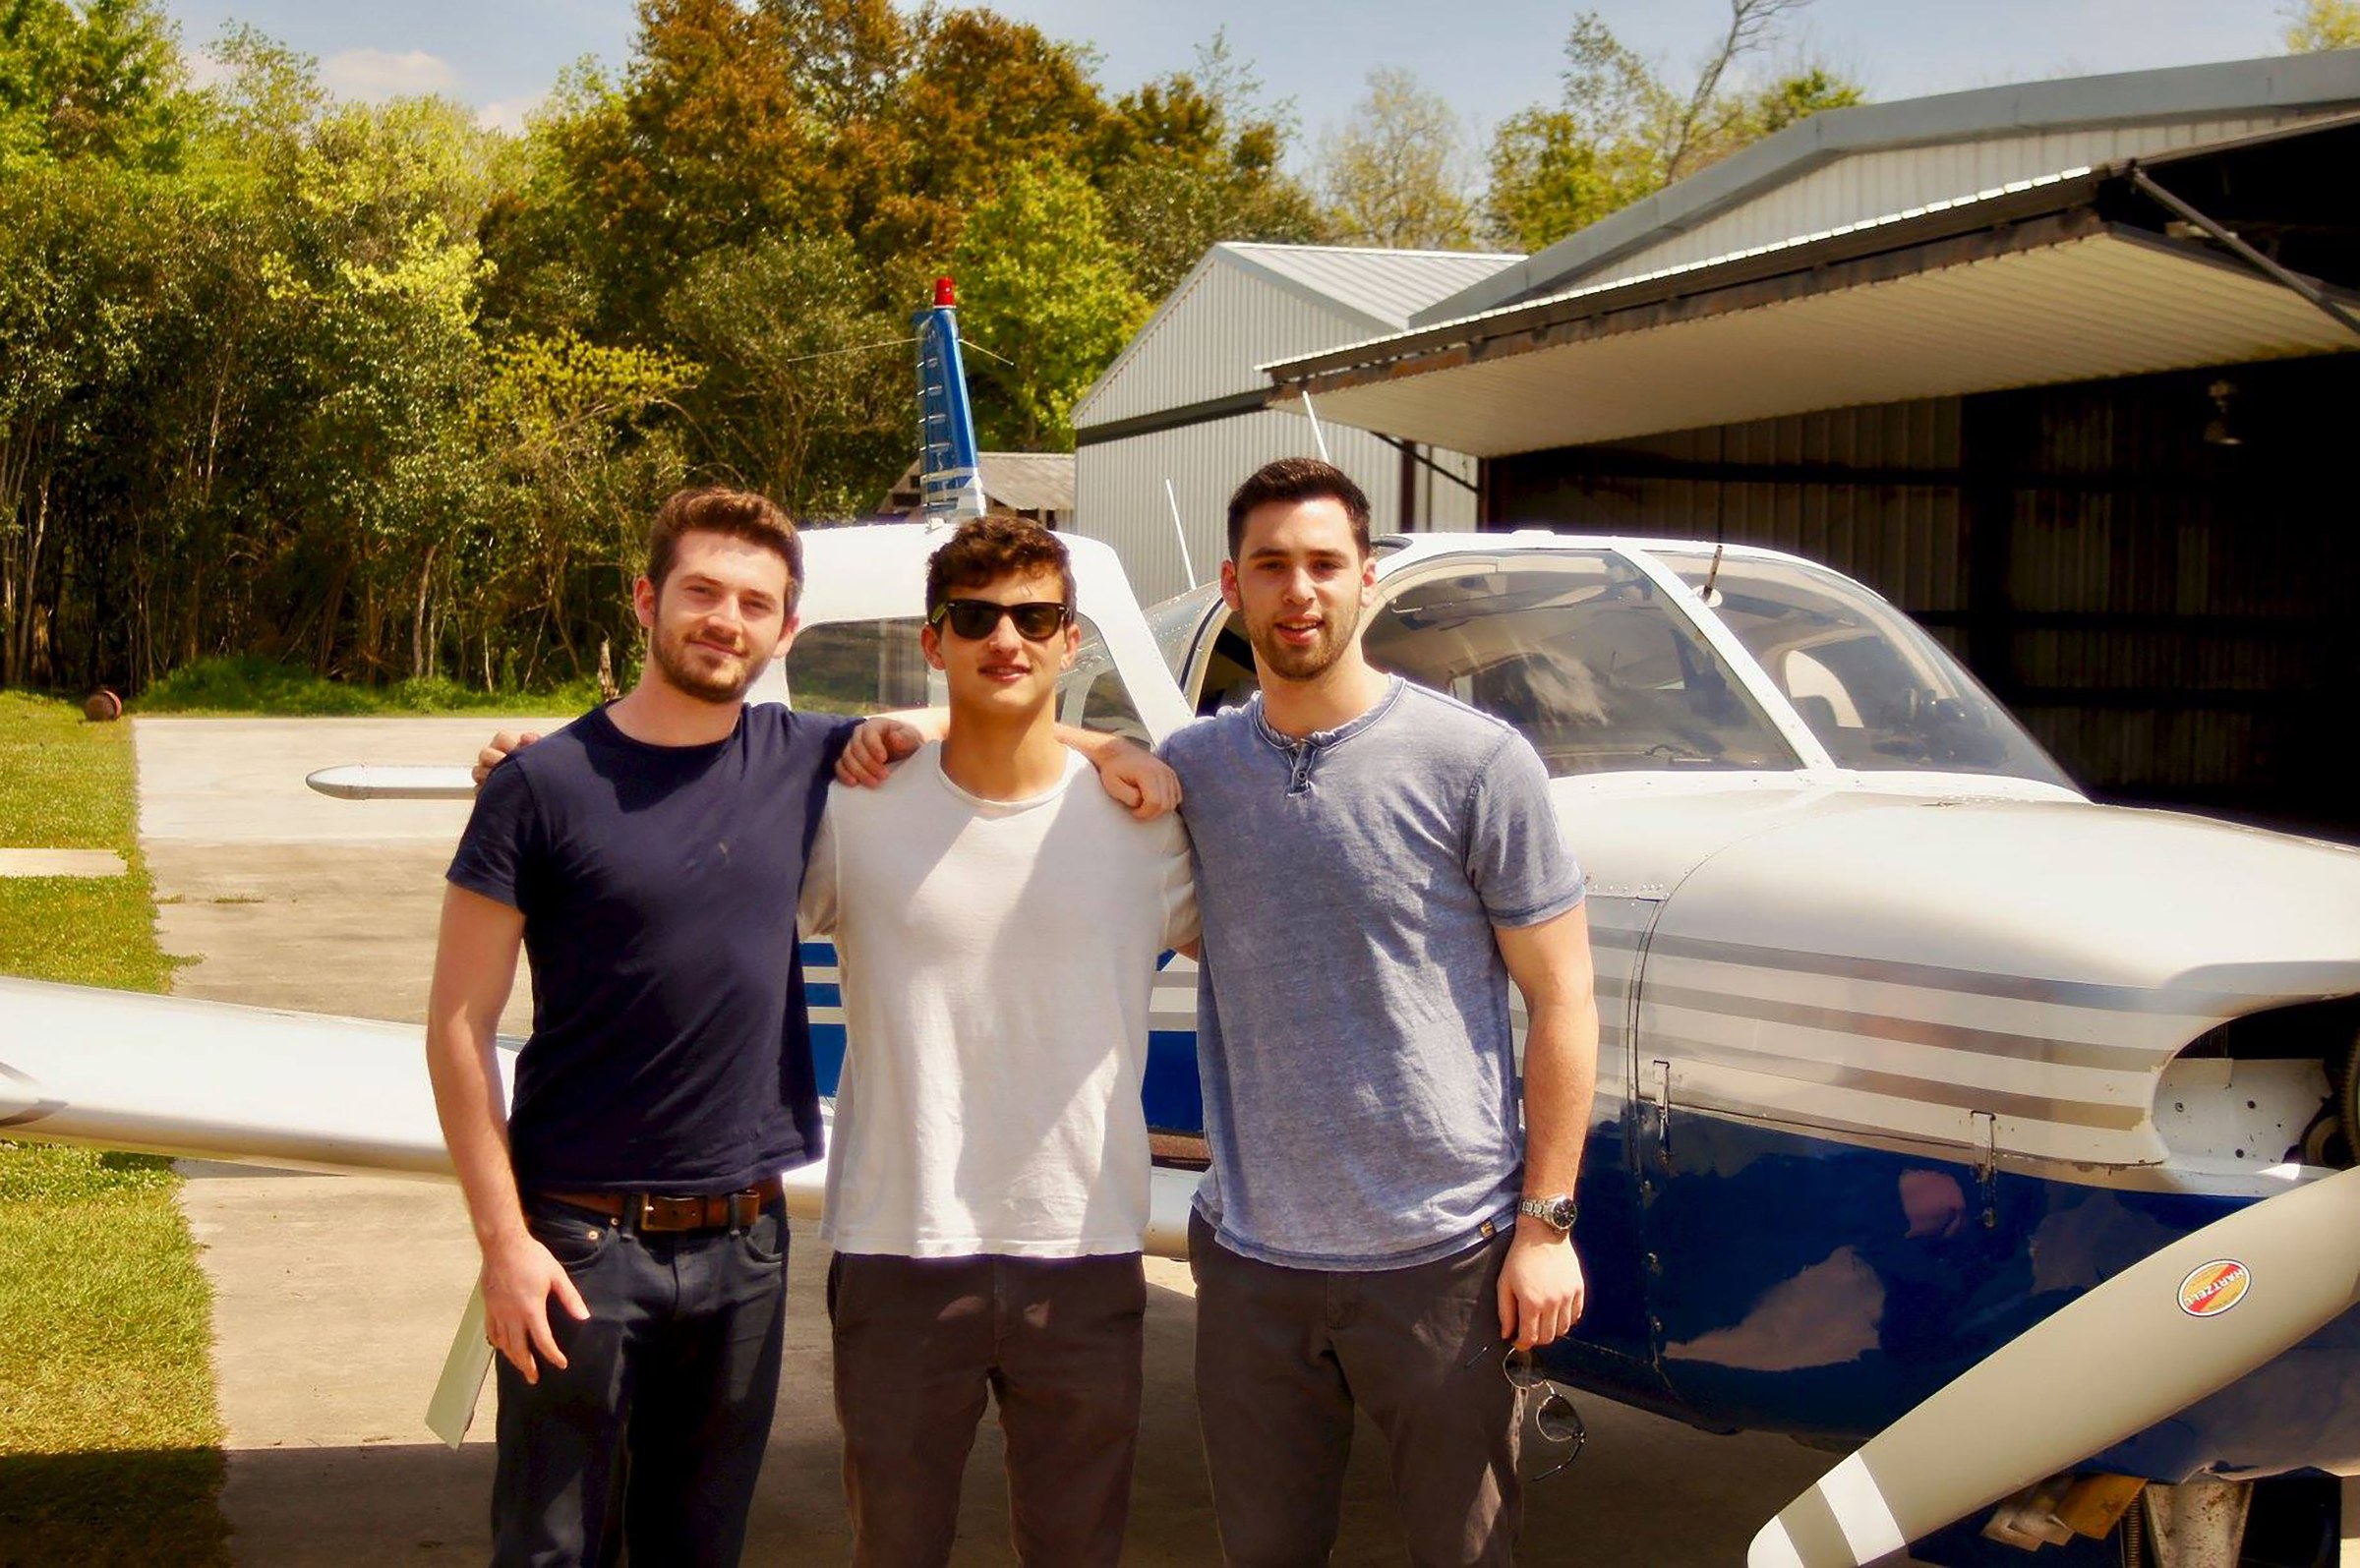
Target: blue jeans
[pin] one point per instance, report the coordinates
(677, 1368)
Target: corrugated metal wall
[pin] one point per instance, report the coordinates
(1208, 343)
(1120, 485)
(1872, 185)
(2169, 614)
(1205, 345)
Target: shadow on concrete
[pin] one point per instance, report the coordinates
(1645, 1491)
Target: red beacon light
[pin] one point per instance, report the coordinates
(944, 294)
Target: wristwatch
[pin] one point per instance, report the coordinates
(1558, 1211)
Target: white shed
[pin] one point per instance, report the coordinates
(1184, 402)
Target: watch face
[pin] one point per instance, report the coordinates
(1556, 1211)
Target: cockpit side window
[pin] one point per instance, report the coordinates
(1580, 653)
(1092, 696)
(1230, 678)
(1875, 688)
(860, 667)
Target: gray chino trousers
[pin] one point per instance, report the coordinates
(920, 1344)
(1284, 1355)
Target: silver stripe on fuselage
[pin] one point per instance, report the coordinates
(1907, 1031)
(1939, 977)
(1900, 1087)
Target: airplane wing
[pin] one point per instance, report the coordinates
(210, 1080)
(121, 1070)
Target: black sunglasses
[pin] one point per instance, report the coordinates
(978, 618)
(1555, 1418)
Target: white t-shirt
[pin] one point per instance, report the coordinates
(996, 959)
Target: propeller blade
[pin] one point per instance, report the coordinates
(2190, 1319)
(363, 781)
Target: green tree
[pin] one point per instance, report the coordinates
(1395, 174)
(375, 282)
(2315, 25)
(1194, 159)
(706, 143)
(982, 98)
(100, 79)
(572, 460)
(1047, 300)
(806, 391)
(76, 284)
(1623, 130)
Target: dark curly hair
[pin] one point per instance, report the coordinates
(988, 549)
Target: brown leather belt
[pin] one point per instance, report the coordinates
(655, 1211)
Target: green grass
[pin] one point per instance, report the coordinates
(65, 783)
(109, 1442)
(250, 684)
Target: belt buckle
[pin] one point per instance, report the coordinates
(658, 1212)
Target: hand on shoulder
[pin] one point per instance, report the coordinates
(501, 745)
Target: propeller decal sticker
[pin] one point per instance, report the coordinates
(2214, 1287)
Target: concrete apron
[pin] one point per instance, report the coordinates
(334, 1299)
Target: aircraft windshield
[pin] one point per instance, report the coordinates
(1879, 693)
(1581, 654)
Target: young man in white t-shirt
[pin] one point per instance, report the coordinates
(997, 930)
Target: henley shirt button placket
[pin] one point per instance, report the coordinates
(1301, 756)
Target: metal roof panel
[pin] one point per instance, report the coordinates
(2099, 305)
(1389, 286)
(2325, 81)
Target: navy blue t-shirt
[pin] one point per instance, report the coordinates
(658, 884)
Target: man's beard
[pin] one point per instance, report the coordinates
(1306, 664)
(670, 653)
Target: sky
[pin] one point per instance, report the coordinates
(1488, 58)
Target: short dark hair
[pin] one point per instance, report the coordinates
(987, 549)
(739, 513)
(1298, 479)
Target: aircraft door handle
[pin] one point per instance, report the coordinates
(1662, 1088)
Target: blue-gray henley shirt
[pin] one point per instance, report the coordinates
(1352, 1011)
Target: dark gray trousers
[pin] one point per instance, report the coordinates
(919, 1341)
(678, 1366)
(1284, 1355)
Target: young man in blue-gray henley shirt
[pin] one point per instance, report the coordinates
(1379, 1227)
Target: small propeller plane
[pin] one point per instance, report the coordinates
(1998, 1140)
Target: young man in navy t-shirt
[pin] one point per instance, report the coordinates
(646, 856)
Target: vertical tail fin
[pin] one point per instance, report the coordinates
(950, 482)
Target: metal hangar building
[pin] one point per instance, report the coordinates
(2064, 368)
